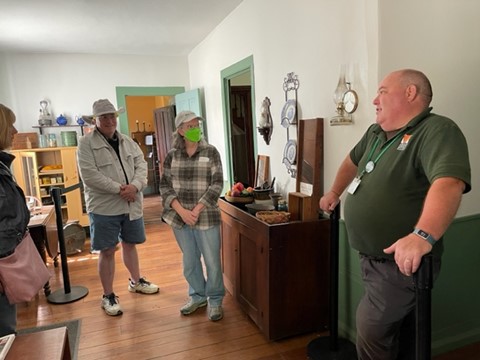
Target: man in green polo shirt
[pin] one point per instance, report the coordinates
(404, 181)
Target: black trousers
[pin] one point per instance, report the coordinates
(386, 313)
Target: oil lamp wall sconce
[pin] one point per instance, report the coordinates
(265, 124)
(346, 101)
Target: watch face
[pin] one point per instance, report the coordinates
(350, 101)
(422, 234)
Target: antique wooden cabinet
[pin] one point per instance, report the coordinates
(277, 273)
(38, 170)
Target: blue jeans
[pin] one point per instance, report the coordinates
(195, 244)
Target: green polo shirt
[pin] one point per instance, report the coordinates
(388, 202)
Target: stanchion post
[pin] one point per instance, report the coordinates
(57, 201)
(332, 347)
(423, 280)
(67, 294)
(334, 268)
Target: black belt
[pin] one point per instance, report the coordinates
(375, 258)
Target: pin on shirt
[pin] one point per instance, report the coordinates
(404, 143)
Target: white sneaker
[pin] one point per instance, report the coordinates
(111, 305)
(142, 286)
(215, 313)
(192, 306)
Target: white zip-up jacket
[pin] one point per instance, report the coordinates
(102, 174)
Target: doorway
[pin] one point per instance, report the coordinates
(124, 91)
(164, 127)
(243, 159)
(239, 101)
(138, 122)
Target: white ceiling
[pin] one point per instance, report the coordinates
(139, 27)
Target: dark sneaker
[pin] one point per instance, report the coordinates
(142, 286)
(111, 305)
(192, 306)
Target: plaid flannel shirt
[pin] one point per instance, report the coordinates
(192, 180)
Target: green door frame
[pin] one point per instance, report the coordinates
(227, 74)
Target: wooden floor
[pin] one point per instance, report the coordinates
(151, 326)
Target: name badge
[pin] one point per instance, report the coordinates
(354, 185)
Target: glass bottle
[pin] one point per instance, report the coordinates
(282, 205)
(52, 140)
(340, 90)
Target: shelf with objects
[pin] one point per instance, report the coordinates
(60, 135)
(41, 127)
(60, 132)
(76, 127)
(47, 121)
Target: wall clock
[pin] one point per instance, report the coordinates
(350, 101)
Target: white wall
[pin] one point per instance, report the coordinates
(306, 37)
(73, 82)
(5, 97)
(312, 38)
(441, 38)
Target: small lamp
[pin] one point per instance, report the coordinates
(265, 124)
(346, 101)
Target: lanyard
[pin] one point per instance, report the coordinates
(370, 165)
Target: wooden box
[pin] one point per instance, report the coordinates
(302, 207)
(25, 141)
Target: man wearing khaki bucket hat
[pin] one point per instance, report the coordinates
(114, 172)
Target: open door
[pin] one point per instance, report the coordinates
(189, 100)
(164, 126)
(238, 94)
(165, 121)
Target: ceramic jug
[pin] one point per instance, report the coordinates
(80, 120)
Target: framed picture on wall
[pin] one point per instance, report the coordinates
(262, 171)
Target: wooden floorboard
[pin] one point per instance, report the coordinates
(152, 326)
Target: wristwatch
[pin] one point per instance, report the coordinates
(425, 236)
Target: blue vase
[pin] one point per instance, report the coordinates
(61, 120)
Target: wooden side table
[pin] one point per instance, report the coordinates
(48, 344)
(43, 230)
